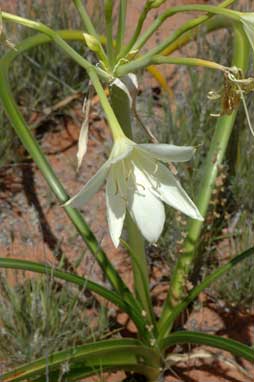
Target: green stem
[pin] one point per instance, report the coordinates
(121, 105)
(90, 27)
(108, 10)
(144, 60)
(160, 60)
(211, 166)
(121, 25)
(58, 40)
(191, 31)
(141, 20)
(85, 18)
(188, 61)
(159, 20)
(34, 150)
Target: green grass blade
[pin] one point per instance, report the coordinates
(128, 354)
(234, 347)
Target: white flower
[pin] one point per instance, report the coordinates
(136, 180)
(247, 20)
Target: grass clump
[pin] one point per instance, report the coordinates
(41, 316)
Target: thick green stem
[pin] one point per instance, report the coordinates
(121, 105)
(211, 166)
(34, 150)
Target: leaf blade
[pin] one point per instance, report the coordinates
(188, 337)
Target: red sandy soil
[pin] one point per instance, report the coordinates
(34, 226)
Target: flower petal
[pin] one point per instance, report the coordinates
(171, 153)
(168, 189)
(145, 208)
(116, 204)
(90, 188)
(121, 149)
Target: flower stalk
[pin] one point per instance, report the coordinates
(146, 58)
(90, 28)
(121, 25)
(85, 18)
(121, 106)
(160, 60)
(159, 21)
(108, 11)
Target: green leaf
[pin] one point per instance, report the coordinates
(168, 319)
(186, 337)
(111, 296)
(89, 359)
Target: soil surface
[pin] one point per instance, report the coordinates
(33, 226)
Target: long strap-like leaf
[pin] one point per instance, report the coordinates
(167, 321)
(111, 296)
(89, 359)
(186, 337)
